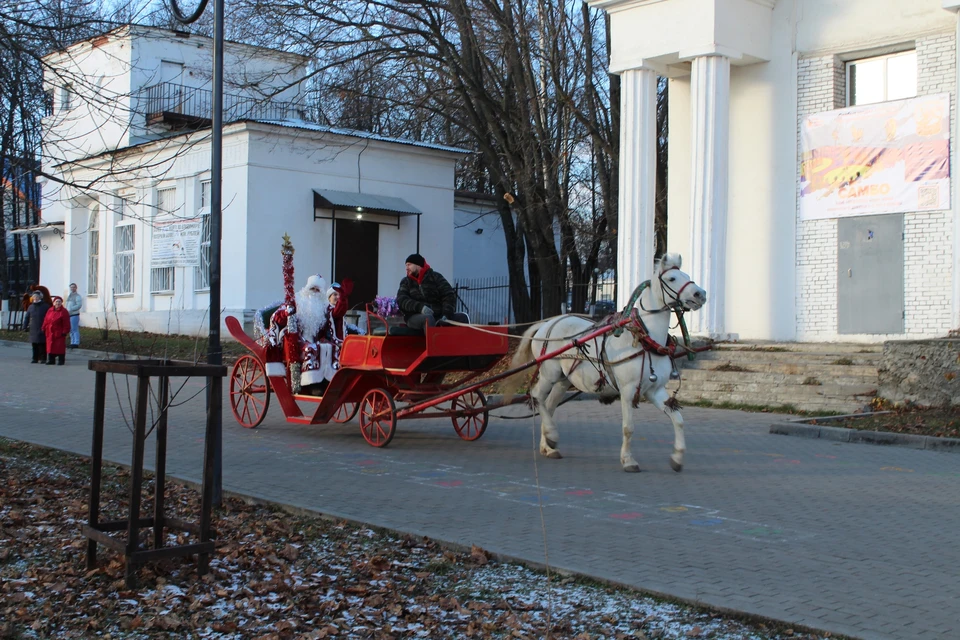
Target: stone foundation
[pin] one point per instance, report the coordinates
(926, 372)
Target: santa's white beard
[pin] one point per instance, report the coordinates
(311, 314)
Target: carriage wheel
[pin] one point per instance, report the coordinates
(346, 411)
(249, 391)
(470, 427)
(378, 417)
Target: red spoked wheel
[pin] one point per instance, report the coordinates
(470, 427)
(378, 417)
(249, 391)
(346, 411)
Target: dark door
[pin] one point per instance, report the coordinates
(357, 257)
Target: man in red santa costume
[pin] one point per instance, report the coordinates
(315, 329)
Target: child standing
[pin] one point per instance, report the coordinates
(56, 326)
(33, 321)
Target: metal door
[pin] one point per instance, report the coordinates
(870, 278)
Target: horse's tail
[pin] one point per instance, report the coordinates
(523, 355)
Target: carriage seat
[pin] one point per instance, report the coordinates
(396, 330)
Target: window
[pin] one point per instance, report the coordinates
(66, 97)
(93, 251)
(891, 77)
(162, 280)
(201, 274)
(166, 201)
(123, 256)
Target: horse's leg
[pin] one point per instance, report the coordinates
(659, 399)
(549, 434)
(626, 406)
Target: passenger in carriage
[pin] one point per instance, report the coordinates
(425, 297)
(338, 295)
(317, 340)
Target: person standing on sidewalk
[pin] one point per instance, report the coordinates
(73, 304)
(33, 322)
(56, 326)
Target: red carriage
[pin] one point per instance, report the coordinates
(392, 365)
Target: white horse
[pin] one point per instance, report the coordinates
(612, 365)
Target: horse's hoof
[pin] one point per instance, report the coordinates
(676, 466)
(632, 468)
(555, 455)
(551, 443)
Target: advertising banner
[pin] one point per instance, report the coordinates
(176, 243)
(891, 157)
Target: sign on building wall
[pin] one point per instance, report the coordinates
(176, 243)
(892, 157)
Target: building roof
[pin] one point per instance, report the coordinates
(313, 126)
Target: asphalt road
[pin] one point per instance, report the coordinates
(851, 538)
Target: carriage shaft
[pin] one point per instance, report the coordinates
(455, 393)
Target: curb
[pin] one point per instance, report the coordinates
(842, 434)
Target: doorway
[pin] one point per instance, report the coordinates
(870, 275)
(357, 256)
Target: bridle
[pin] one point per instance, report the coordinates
(676, 304)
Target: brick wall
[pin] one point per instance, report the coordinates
(928, 237)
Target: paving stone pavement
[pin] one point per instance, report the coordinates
(852, 538)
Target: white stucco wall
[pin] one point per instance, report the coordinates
(107, 72)
(782, 273)
(286, 165)
(268, 180)
(478, 255)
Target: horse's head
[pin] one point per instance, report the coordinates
(676, 288)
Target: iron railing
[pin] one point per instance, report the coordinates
(166, 98)
(487, 300)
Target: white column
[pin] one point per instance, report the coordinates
(638, 184)
(955, 174)
(710, 132)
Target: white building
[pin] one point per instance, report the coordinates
(753, 83)
(130, 129)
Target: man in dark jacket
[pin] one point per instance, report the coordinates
(425, 297)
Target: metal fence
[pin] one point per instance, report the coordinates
(487, 300)
(170, 97)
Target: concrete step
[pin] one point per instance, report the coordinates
(793, 357)
(802, 347)
(777, 374)
(823, 406)
(818, 370)
(777, 379)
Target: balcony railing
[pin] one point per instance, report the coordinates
(175, 104)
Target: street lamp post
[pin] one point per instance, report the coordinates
(214, 350)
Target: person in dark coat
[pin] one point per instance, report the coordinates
(56, 327)
(425, 297)
(33, 321)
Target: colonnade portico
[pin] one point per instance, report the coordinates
(675, 38)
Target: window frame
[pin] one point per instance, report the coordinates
(848, 73)
(170, 274)
(93, 251)
(201, 273)
(127, 255)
